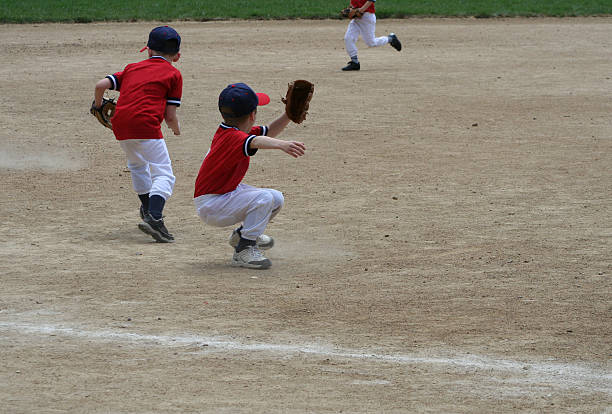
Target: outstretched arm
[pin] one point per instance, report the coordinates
(101, 87)
(293, 148)
(277, 126)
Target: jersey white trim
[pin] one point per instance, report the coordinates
(245, 148)
(225, 126)
(113, 81)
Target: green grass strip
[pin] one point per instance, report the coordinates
(34, 11)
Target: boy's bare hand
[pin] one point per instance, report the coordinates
(293, 148)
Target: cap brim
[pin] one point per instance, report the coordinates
(263, 99)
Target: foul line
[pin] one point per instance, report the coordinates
(566, 376)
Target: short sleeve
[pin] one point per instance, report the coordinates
(176, 90)
(259, 130)
(115, 79)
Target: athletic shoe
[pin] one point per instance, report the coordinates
(142, 212)
(352, 66)
(394, 41)
(264, 242)
(251, 258)
(156, 229)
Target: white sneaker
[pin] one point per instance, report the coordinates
(252, 258)
(264, 242)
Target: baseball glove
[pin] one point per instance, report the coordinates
(297, 100)
(351, 13)
(105, 112)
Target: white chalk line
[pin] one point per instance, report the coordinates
(559, 375)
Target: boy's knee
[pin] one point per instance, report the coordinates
(264, 200)
(137, 168)
(270, 200)
(278, 197)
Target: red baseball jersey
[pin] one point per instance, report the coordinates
(227, 160)
(145, 88)
(359, 3)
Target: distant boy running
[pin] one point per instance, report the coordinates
(365, 27)
(220, 198)
(150, 91)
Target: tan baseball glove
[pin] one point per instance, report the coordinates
(105, 112)
(351, 13)
(297, 100)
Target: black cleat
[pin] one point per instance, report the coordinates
(352, 66)
(156, 229)
(394, 41)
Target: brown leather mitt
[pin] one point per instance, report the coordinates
(297, 100)
(351, 13)
(105, 112)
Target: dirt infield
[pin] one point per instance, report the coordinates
(445, 244)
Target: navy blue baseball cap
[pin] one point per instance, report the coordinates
(164, 39)
(238, 99)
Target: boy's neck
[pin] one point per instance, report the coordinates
(245, 126)
(168, 58)
(163, 57)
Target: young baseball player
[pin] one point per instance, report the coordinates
(220, 197)
(365, 27)
(150, 91)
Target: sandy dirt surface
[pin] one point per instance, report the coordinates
(445, 244)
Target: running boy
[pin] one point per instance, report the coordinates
(150, 91)
(220, 198)
(366, 27)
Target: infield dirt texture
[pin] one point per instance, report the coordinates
(445, 245)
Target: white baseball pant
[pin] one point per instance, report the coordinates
(253, 207)
(365, 27)
(150, 166)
